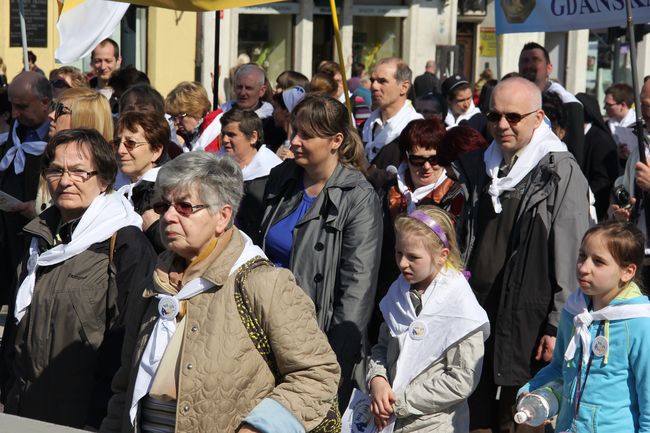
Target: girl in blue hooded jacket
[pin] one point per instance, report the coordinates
(602, 352)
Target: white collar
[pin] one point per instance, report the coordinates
(389, 129)
(106, 215)
(582, 318)
(16, 153)
(543, 142)
(149, 176)
(452, 121)
(261, 165)
(414, 197)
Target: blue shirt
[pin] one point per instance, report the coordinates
(279, 238)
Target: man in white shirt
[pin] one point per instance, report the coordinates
(390, 84)
(619, 99)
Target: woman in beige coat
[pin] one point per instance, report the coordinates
(189, 362)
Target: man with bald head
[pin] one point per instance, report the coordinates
(30, 96)
(526, 211)
(250, 88)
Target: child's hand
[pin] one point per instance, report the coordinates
(383, 399)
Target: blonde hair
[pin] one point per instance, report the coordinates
(90, 109)
(75, 75)
(188, 97)
(407, 225)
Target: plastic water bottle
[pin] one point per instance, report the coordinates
(539, 405)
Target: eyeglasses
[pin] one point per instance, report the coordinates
(609, 105)
(127, 143)
(182, 207)
(76, 175)
(60, 109)
(419, 160)
(178, 117)
(511, 118)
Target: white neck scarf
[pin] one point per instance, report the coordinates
(164, 328)
(543, 142)
(17, 152)
(452, 121)
(582, 318)
(261, 165)
(388, 130)
(414, 197)
(149, 176)
(449, 313)
(106, 214)
(265, 110)
(209, 134)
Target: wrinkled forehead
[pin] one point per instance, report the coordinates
(515, 97)
(253, 79)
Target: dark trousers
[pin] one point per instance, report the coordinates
(492, 408)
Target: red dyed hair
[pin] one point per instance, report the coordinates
(458, 140)
(424, 133)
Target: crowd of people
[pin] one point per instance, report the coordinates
(444, 248)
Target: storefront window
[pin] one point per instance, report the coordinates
(267, 40)
(608, 62)
(375, 38)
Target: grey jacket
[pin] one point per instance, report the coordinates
(336, 250)
(436, 400)
(539, 274)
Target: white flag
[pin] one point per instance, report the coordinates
(83, 24)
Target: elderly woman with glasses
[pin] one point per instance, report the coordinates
(221, 340)
(140, 147)
(189, 108)
(87, 255)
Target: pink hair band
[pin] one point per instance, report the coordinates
(432, 224)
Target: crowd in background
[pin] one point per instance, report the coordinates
(420, 246)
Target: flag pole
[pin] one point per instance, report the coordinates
(635, 84)
(23, 33)
(337, 36)
(215, 80)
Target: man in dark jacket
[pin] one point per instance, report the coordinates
(30, 95)
(427, 82)
(535, 65)
(524, 217)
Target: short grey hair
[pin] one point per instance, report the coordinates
(402, 70)
(251, 68)
(217, 179)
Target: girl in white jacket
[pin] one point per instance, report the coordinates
(429, 356)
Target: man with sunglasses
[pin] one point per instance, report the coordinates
(535, 65)
(525, 213)
(30, 96)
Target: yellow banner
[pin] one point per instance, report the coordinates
(198, 5)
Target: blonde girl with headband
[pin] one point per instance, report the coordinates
(429, 355)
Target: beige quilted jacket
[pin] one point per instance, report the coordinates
(222, 376)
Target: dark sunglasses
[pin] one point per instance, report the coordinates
(60, 84)
(182, 207)
(127, 143)
(419, 160)
(511, 118)
(60, 109)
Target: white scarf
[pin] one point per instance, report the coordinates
(106, 214)
(209, 134)
(449, 313)
(451, 121)
(149, 176)
(582, 318)
(265, 110)
(164, 329)
(261, 165)
(414, 197)
(543, 142)
(17, 152)
(388, 131)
